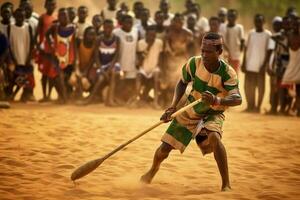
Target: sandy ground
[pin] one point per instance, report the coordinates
(40, 146)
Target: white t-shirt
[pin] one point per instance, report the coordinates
(203, 24)
(222, 29)
(233, 37)
(109, 14)
(141, 30)
(151, 57)
(257, 46)
(3, 29)
(167, 22)
(80, 29)
(128, 47)
(20, 42)
(33, 22)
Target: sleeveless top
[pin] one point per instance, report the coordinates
(85, 54)
(107, 50)
(64, 46)
(47, 23)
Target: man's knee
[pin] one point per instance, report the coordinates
(214, 138)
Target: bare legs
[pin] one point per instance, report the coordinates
(160, 155)
(211, 144)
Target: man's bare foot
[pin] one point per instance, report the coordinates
(226, 189)
(146, 178)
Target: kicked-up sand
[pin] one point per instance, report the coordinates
(41, 145)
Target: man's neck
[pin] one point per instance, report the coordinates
(259, 30)
(6, 22)
(214, 66)
(112, 8)
(231, 25)
(20, 24)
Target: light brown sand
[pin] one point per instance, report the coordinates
(40, 146)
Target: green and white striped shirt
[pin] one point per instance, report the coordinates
(221, 83)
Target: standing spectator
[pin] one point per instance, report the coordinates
(72, 12)
(138, 6)
(6, 15)
(21, 46)
(292, 73)
(164, 6)
(202, 21)
(275, 64)
(97, 24)
(43, 54)
(160, 28)
(128, 36)
(61, 37)
(110, 11)
(4, 51)
(234, 39)
(30, 19)
(222, 14)
(178, 40)
(145, 22)
(149, 52)
(82, 23)
(255, 62)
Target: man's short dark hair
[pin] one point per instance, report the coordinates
(232, 11)
(213, 36)
(214, 18)
(7, 5)
(108, 21)
(125, 17)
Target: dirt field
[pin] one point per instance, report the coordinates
(40, 146)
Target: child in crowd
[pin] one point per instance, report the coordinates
(21, 46)
(43, 57)
(61, 37)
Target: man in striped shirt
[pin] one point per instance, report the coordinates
(216, 83)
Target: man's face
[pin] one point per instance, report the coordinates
(63, 17)
(50, 6)
(191, 22)
(72, 14)
(6, 13)
(159, 18)
(164, 6)
(189, 4)
(108, 28)
(19, 16)
(28, 9)
(112, 3)
(177, 23)
(97, 22)
(231, 17)
(127, 24)
(150, 36)
(277, 26)
(82, 14)
(214, 25)
(137, 9)
(91, 35)
(258, 22)
(145, 16)
(222, 16)
(209, 54)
